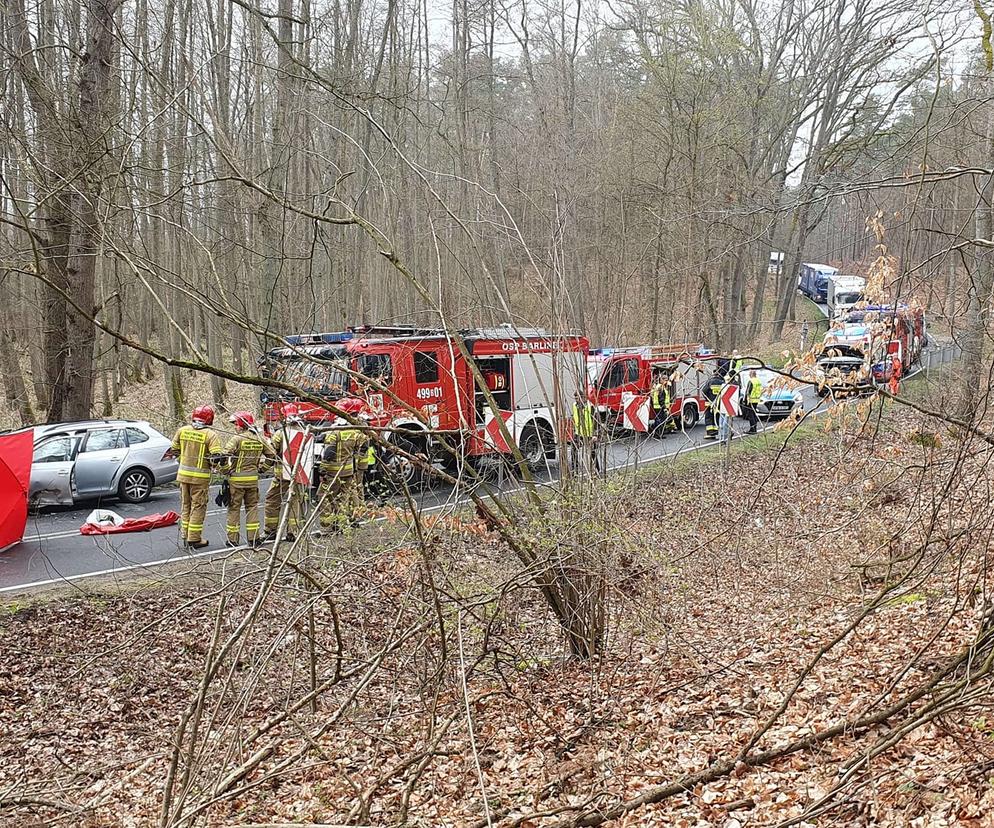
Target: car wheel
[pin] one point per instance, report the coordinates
(136, 486)
(689, 416)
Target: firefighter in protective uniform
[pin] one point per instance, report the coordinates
(712, 393)
(343, 446)
(358, 489)
(373, 481)
(245, 452)
(661, 399)
(197, 447)
(584, 445)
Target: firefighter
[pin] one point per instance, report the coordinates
(197, 446)
(584, 445)
(736, 365)
(374, 487)
(293, 447)
(357, 410)
(343, 446)
(896, 368)
(245, 451)
(753, 395)
(661, 399)
(712, 393)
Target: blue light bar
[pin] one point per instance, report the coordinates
(318, 339)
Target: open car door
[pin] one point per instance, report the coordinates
(51, 471)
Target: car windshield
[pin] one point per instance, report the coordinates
(848, 298)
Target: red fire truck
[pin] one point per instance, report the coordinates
(621, 380)
(421, 390)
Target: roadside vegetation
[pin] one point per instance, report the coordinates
(818, 654)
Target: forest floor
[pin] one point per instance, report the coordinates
(450, 701)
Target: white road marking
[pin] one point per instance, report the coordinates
(223, 550)
(820, 409)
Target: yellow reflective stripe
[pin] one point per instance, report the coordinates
(194, 473)
(244, 478)
(251, 525)
(195, 527)
(232, 528)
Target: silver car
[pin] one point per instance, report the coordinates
(98, 458)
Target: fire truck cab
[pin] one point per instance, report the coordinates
(622, 378)
(424, 393)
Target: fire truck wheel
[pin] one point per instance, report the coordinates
(536, 441)
(689, 416)
(402, 471)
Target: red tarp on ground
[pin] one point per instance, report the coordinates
(142, 524)
(15, 477)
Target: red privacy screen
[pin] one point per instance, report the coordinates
(15, 474)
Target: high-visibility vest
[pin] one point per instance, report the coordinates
(583, 420)
(340, 450)
(755, 393)
(370, 456)
(244, 455)
(195, 447)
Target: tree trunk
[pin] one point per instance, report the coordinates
(974, 374)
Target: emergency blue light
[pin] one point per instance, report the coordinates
(314, 339)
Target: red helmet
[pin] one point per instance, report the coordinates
(242, 419)
(352, 406)
(203, 414)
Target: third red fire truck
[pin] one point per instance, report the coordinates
(421, 389)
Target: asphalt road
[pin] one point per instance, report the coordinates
(54, 552)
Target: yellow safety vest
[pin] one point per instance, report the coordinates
(583, 420)
(195, 447)
(362, 450)
(755, 391)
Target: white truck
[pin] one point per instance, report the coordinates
(844, 292)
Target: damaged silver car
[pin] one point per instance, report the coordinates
(88, 460)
